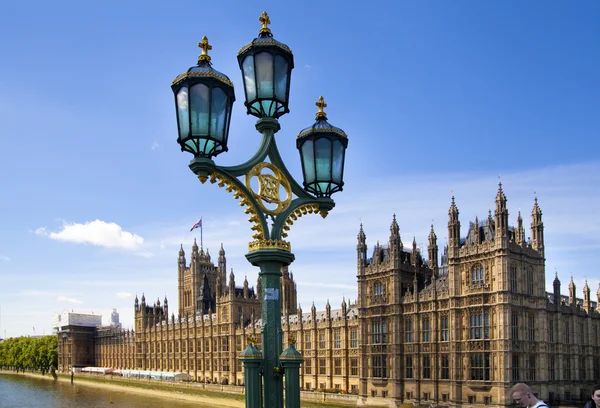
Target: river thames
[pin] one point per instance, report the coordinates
(25, 392)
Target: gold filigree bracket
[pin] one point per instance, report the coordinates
(269, 188)
(299, 212)
(238, 194)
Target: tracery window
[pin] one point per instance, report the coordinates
(477, 275)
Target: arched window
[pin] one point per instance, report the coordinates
(477, 275)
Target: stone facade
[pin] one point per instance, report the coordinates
(458, 330)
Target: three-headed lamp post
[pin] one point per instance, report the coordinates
(204, 99)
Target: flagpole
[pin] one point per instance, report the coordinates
(201, 245)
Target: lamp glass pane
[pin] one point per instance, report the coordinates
(338, 161)
(264, 74)
(308, 161)
(183, 112)
(199, 100)
(249, 81)
(323, 159)
(217, 116)
(281, 75)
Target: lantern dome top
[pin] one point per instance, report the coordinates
(265, 37)
(204, 67)
(321, 124)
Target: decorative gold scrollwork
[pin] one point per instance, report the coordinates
(297, 213)
(245, 201)
(268, 188)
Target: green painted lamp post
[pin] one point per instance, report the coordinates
(204, 99)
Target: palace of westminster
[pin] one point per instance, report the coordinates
(456, 328)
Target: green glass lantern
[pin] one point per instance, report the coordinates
(266, 66)
(322, 153)
(203, 100)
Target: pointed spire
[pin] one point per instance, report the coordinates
(221, 251)
(453, 211)
(394, 228)
(181, 251)
(500, 196)
(361, 235)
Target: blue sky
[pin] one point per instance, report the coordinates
(436, 97)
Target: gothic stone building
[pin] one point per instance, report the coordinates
(457, 330)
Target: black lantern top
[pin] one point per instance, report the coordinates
(266, 65)
(322, 149)
(203, 98)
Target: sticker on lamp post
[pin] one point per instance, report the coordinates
(271, 294)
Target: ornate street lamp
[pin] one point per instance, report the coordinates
(263, 185)
(322, 152)
(203, 99)
(266, 66)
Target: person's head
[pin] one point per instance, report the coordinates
(596, 395)
(522, 395)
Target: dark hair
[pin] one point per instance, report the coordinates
(596, 388)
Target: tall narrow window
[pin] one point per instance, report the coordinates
(426, 367)
(322, 342)
(514, 326)
(515, 368)
(529, 280)
(531, 327)
(552, 367)
(353, 338)
(426, 330)
(531, 368)
(551, 329)
(354, 366)
(408, 330)
(307, 341)
(444, 328)
(409, 367)
(337, 339)
(445, 371)
(512, 279)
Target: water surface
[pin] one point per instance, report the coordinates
(26, 392)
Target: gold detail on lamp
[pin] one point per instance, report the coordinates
(268, 188)
(265, 21)
(269, 244)
(321, 105)
(292, 340)
(211, 74)
(238, 194)
(297, 213)
(251, 340)
(204, 46)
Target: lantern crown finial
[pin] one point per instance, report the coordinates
(204, 46)
(265, 21)
(321, 105)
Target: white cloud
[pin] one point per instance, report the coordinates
(145, 254)
(41, 231)
(155, 145)
(106, 234)
(69, 300)
(123, 295)
(307, 66)
(4, 258)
